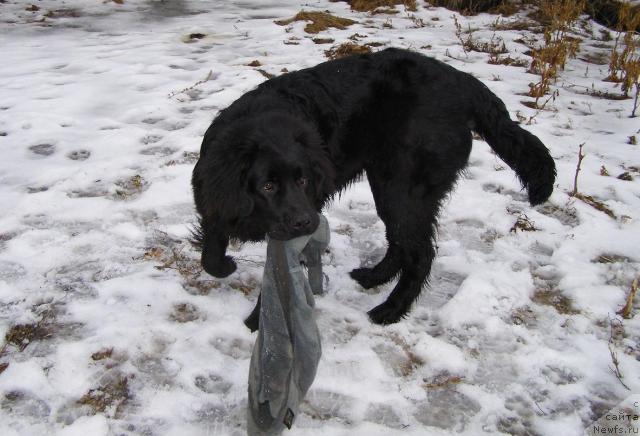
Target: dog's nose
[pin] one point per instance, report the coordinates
(301, 222)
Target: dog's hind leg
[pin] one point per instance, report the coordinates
(408, 204)
(414, 233)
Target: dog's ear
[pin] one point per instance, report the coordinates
(221, 186)
(324, 174)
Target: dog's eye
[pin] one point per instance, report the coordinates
(302, 181)
(269, 187)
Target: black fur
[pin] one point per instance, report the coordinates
(403, 118)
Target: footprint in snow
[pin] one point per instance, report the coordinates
(43, 150)
(157, 151)
(79, 155)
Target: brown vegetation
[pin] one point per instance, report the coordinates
(470, 7)
(557, 16)
(386, 6)
(319, 21)
(346, 49)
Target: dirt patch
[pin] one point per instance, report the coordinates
(171, 256)
(519, 24)
(323, 40)
(110, 396)
(523, 223)
(22, 335)
(413, 361)
(625, 176)
(442, 380)
(553, 298)
(611, 258)
(509, 61)
(188, 157)
(523, 316)
(265, 74)
(63, 13)
(346, 49)
(319, 21)
(130, 188)
(184, 312)
(102, 354)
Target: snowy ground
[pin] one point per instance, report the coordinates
(109, 327)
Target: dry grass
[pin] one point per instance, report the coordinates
(387, 5)
(22, 335)
(131, 187)
(442, 381)
(557, 16)
(555, 299)
(611, 258)
(346, 49)
(495, 47)
(524, 224)
(192, 87)
(471, 7)
(323, 40)
(413, 361)
(625, 312)
(109, 397)
(319, 21)
(265, 73)
(626, 176)
(599, 205)
(519, 24)
(616, 331)
(581, 156)
(105, 353)
(63, 13)
(188, 157)
(509, 61)
(171, 256)
(575, 193)
(184, 312)
(624, 63)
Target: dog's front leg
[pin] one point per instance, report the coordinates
(214, 246)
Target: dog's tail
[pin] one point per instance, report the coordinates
(521, 150)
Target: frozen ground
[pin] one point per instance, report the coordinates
(109, 327)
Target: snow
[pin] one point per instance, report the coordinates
(99, 125)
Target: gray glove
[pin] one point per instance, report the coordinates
(287, 350)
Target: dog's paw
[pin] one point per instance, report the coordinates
(385, 314)
(365, 277)
(219, 269)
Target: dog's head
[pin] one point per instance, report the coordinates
(265, 175)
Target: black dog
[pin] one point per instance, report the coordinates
(277, 155)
